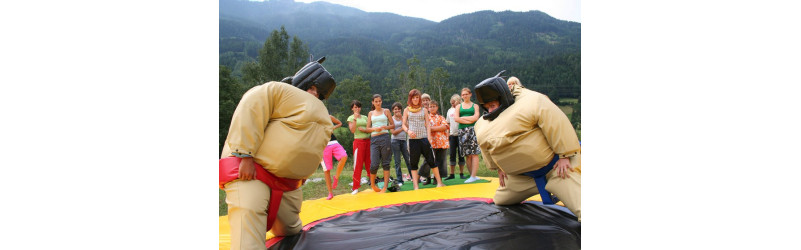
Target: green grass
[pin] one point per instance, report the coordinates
(568, 100)
(568, 110)
(315, 190)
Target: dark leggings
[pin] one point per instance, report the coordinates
(454, 145)
(420, 146)
(439, 155)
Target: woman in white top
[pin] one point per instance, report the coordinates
(380, 150)
(453, 138)
(415, 123)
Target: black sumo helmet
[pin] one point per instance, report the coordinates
(491, 89)
(313, 74)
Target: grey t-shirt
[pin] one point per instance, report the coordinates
(398, 124)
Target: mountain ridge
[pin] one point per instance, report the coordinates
(470, 46)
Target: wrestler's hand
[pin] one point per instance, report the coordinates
(247, 171)
(562, 166)
(501, 177)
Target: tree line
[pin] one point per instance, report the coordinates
(280, 56)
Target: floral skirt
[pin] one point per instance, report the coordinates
(468, 144)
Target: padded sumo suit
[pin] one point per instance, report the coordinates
(525, 137)
(285, 130)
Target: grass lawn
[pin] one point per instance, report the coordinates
(315, 189)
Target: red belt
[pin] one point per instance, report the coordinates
(229, 171)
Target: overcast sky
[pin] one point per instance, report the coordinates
(438, 10)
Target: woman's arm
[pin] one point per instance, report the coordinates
(442, 126)
(405, 125)
(398, 129)
(473, 118)
(428, 128)
(352, 126)
(370, 121)
(336, 122)
(390, 123)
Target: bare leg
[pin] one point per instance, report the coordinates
(474, 165)
(386, 181)
(372, 183)
(328, 185)
(469, 163)
(340, 165)
(436, 175)
(415, 179)
(328, 181)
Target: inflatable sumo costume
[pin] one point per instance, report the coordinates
(284, 129)
(524, 137)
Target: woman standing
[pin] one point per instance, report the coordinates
(398, 143)
(380, 151)
(415, 123)
(333, 150)
(453, 138)
(439, 136)
(468, 115)
(361, 143)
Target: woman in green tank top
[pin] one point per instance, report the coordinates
(468, 115)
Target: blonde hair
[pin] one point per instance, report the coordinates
(425, 96)
(456, 97)
(513, 81)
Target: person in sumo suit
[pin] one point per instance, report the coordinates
(276, 140)
(530, 142)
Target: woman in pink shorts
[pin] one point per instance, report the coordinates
(334, 149)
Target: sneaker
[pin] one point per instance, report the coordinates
(354, 192)
(330, 196)
(336, 180)
(461, 176)
(471, 179)
(364, 180)
(450, 177)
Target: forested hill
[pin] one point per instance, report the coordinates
(317, 21)
(542, 51)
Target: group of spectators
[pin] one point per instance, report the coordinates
(408, 133)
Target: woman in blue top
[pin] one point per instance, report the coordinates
(380, 150)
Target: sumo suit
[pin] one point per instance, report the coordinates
(285, 130)
(526, 136)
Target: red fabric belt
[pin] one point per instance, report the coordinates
(229, 171)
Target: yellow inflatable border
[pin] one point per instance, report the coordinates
(313, 210)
